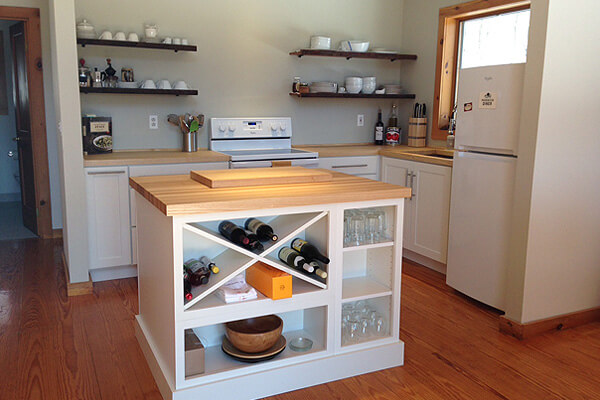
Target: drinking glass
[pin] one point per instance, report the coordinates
(363, 328)
(380, 326)
(373, 228)
(357, 229)
(352, 333)
(383, 236)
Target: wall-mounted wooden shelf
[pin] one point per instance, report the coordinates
(355, 96)
(173, 92)
(353, 54)
(142, 45)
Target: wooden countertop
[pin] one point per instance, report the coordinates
(420, 154)
(135, 157)
(180, 195)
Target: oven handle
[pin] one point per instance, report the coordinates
(308, 163)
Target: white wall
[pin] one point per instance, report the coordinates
(419, 36)
(9, 167)
(66, 101)
(55, 191)
(242, 67)
(562, 272)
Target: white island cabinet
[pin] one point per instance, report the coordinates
(177, 219)
(426, 214)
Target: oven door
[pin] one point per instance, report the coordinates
(307, 163)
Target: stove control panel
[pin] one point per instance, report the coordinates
(245, 128)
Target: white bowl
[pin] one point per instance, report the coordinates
(369, 79)
(181, 85)
(393, 89)
(354, 45)
(368, 88)
(320, 42)
(354, 79)
(353, 88)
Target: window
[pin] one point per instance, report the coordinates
(477, 33)
(496, 40)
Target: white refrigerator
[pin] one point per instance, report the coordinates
(483, 173)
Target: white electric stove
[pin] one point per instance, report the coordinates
(257, 142)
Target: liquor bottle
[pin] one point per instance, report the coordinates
(187, 289)
(262, 230)
(318, 271)
(234, 233)
(308, 250)
(254, 243)
(392, 133)
(197, 273)
(292, 258)
(211, 265)
(379, 129)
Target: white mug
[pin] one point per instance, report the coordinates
(148, 84)
(167, 40)
(164, 84)
(120, 36)
(133, 37)
(320, 42)
(176, 40)
(150, 31)
(106, 35)
(184, 41)
(180, 85)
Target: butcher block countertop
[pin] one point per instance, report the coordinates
(134, 157)
(421, 154)
(177, 195)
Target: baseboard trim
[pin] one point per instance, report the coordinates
(79, 288)
(558, 323)
(111, 273)
(424, 261)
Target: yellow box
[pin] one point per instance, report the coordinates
(269, 281)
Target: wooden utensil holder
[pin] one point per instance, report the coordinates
(417, 132)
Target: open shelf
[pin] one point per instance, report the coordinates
(367, 273)
(139, 45)
(353, 54)
(387, 243)
(382, 305)
(363, 288)
(310, 323)
(354, 95)
(172, 92)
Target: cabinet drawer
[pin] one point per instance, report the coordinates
(351, 165)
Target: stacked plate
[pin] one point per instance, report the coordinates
(393, 89)
(323, 87)
(129, 85)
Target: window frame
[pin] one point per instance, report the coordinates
(448, 42)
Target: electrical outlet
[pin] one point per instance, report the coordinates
(360, 120)
(153, 122)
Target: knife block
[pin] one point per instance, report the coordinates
(417, 132)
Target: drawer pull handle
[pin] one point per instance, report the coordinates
(351, 166)
(106, 172)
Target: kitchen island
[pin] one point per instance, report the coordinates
(177, 219)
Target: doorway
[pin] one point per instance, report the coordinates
(25, 190)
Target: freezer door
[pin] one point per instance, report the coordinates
(489, 108)
(480, 213)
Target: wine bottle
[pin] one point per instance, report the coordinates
(262, 230)
(211, 265)
(379, 129)
(234, 233)
(187, 289)
(308, 250)
(392, 133)
(254, 243)
(318, 271)
(292, 258)
(197, 272)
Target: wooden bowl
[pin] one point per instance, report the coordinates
(254, 335)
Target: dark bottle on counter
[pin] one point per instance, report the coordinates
(379, 129)
(309, 251)
(187, 289)
(318, 271)
(254, 243)
(262, 230)
(292, 258)
(392, 133)
(234, 233)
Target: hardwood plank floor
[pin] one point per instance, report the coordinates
(55, 347)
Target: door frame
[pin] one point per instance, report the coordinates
(37, 110)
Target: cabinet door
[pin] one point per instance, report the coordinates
(108, 216)
(397, 172)
(430, 211)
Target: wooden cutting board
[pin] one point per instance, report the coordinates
(227, 178)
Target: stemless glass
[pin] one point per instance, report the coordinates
(383, 229)
(373, 228)
(357, 229)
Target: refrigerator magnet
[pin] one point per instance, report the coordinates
(468, 107)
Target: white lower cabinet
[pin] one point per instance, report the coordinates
(364, 166)
(426, 214)
(107, 190)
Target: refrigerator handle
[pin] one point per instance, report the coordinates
(412, 181)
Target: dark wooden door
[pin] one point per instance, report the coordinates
(23, 137)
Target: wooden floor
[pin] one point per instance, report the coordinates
(54, 347)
